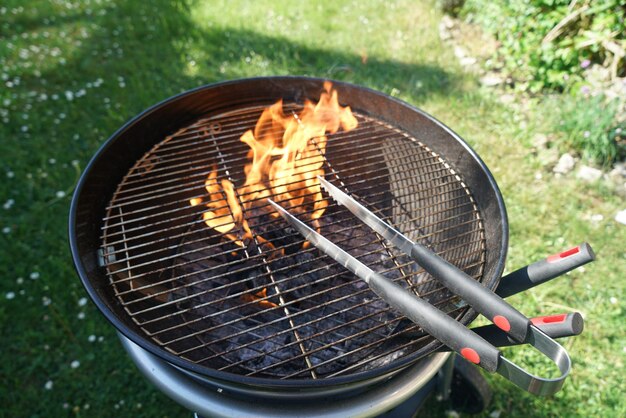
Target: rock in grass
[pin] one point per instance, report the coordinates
(491, 80)
(445, 26)
(507, 98)
(589, 174)
(621, 217)
(459, 52)
(540, 141)
(565, 164)
(467, 61)
(548, 156)
(619, 171)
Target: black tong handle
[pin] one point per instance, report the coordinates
(544, 270)
(453, 334)
(493, 307)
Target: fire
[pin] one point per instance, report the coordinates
(287, 151)
(221, 217)
(285, 157)
(260, 298)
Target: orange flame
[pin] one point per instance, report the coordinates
(285, 157)
(221, 201)
(262, 294)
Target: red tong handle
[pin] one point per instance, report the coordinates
(554, 326)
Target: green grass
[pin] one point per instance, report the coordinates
(585, 124)
(73, 72)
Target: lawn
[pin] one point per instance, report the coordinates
(72, 72)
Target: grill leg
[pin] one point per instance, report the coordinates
(470, 392)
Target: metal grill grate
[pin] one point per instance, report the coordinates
(189, 287)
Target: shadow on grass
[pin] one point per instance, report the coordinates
(225, 55)
(134, 55)
(152, 48)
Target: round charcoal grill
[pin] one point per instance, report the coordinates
(274, 312)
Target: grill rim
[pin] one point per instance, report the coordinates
(84, 261)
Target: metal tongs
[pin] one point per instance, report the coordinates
(448, 331)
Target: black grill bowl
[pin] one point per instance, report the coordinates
(121, 153)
